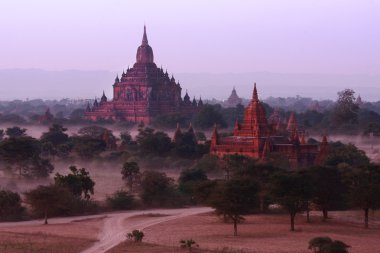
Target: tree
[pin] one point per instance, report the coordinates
(327, 245)
(260, 172)
(56, 135)
(364, 188)
(95, 132)
(120, 200)
(329, 189)
(11, 208)
(346, 110)
(157, 189)
(78, 182)
(151, 142)
(2, 134)
(209, 164)
(22, 154)
(186, 145)
(131, 173)
(208, 116)
(292, 190)
(15, 131)
(232, 164)
(87, 147)
(77, 115)
(234, 198)
(340, 153)
(49, 200)
(48, 149)
(12, 118)
(99, 133)
(126, 138)
(190, 180)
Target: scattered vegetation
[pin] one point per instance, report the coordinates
(327, 245)
(188, 244)
(136, 235)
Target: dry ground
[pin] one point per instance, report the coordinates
(258, 234)
(130, 247)
(262, 233)
(70, 237)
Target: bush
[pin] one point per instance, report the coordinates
(136, 235)
(327, 245)
(120, 200)
(188, 244)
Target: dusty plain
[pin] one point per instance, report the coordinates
(265, 233)
(71, 237)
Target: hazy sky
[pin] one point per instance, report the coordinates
(288, 36)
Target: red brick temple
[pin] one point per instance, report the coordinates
(142, 93)
(257, 138)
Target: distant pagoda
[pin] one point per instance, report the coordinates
(233, 99)
(143, 92)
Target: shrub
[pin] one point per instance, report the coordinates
(136, 235)
(327, 245)
(120, 200)
(188, 244)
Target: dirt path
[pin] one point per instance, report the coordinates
(116, 225)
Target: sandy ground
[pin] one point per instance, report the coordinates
(102, 231)
(62, 235)
(131, 247)
(263, 233)
(117, 225)
(164, 228)
(81, 227)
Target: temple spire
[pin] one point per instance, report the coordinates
(255, 97)
(215, 136)
(145, 38)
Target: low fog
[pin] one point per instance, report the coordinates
(107, 175)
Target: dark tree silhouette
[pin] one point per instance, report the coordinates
(15, 131)
(11, 208)
(234, 198)
(292, 190)
(364, 188)
(78, 182)
(329, 189)
(327, 245)
(22, 154)
(49, 200)
(131, 174)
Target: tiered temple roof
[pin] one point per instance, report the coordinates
(233, 100)
(254, 137)
(143, 92)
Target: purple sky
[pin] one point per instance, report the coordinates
(294, 36)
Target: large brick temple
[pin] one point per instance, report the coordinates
(142, 93)
(260, 138)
